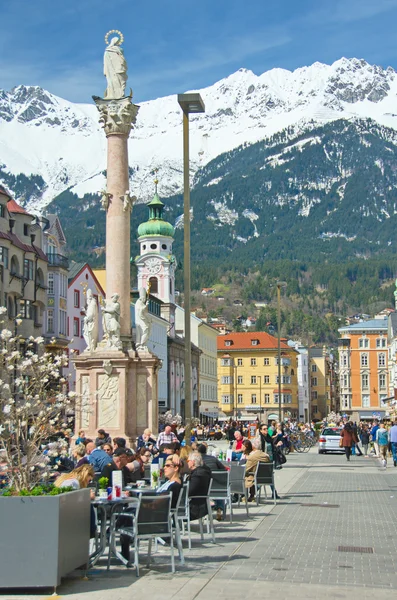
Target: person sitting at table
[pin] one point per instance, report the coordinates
(146, 440)
(199, 481)
(165, 451)
(79, 478)
(108, 448)
(172, 472)
(253, 458)
(82, 438)
(145, 455)
(78, 453)
(119, 442)
(237, 448)
(95, 456)
(102, 438)
(119, 463)
(215, 465)
(134, 466)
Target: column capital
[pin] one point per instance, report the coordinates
(116, 116)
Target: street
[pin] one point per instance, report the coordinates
(332, 535)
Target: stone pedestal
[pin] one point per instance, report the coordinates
(118, 393)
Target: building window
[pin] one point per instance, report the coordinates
(25, 308)
(345, 360)
(64, 285)
(4, 254)
(365, 401)
(363, 343)
(239, 399)
(314, 368)
(253, 362)
(381, 343)
(314, 395)
(76, 298)
(154, 285)
(345, 381)
(382, 381)
(267, 398)
(240, 379)
(226, 379)
(228, 343)
(239, 362)
(266, 362)
(51, 284)
(50, 320)
(382, 359)
(225, 362)
(28, 269)
(286, 378)
(253, 379)
(364, 360)
(266, 379)
(285, 398)
(254, 342)
(62, 322)
(253, 398)
(364, 381)
(227, 399)
(314, 408)
(76, 327)
(81, 328)
(382, 400)
(2, 211)
(314, 381)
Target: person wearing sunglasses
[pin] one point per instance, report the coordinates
(172, 469)
(108, 449)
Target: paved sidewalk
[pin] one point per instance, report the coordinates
(288, 551)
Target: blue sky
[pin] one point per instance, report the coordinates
(174, 45)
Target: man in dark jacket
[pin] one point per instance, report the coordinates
(199, 481)
(215, 465)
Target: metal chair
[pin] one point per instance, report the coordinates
(264, 475)
(237, 483)
(220, 489)
(153, 519)
(182, 512)
(209, 513)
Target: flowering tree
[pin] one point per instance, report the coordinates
(34, 403)
(168, 418)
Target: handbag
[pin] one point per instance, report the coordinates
(341, 442)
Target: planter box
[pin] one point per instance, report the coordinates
(43, 538)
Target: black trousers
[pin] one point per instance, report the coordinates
(348, 452)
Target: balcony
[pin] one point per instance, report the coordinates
(58, 260)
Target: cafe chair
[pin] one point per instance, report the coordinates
(210, 522)
(264, 475)
(220, 489)
(182, 513)
(237, 484)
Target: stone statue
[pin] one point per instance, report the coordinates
(90, 326)
(111, 322)
(105, 199)
(115, 68)
(143, 320)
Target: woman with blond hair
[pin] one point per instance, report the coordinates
(78, 479)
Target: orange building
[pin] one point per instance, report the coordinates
(363, 369)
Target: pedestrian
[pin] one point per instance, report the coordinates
(356, 445)
(382, 439)
(375, 427)
(393, 441)
(348, 439)
(364, 437)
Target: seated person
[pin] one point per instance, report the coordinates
(250, 466)
(211, 461)
(81, 437)
(119, 463)
(165, 451)
(78, 479)
(103, 438)
(237, 448)
(146, 440)
(199, 481)
(134, 466)
(119, 442)
(172, 469)
(95, 456)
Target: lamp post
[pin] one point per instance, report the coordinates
(189, 103)
(279, 284)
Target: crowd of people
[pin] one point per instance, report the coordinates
(379, 438)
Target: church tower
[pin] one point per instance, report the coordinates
(156, 264)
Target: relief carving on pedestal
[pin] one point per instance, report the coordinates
(108, 400)
(85, 402)
(141, 401)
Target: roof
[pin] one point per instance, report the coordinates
(373, 324)
(242, 341)
(14, 239)
(77, 269)
(100, 274)
(4, 191)
(13, 207)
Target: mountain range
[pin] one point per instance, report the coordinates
(283, 165)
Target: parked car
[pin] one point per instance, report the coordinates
(329, 440)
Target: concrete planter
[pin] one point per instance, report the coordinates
(43, 538)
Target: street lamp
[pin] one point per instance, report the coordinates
(279, 284)
(189, 103)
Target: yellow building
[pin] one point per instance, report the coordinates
(320, 366)
(248, 377)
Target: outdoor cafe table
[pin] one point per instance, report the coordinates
(105, 509)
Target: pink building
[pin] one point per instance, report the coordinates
(80, 278)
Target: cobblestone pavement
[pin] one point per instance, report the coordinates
(288, 551)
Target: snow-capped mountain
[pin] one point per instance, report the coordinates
(48, 145)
